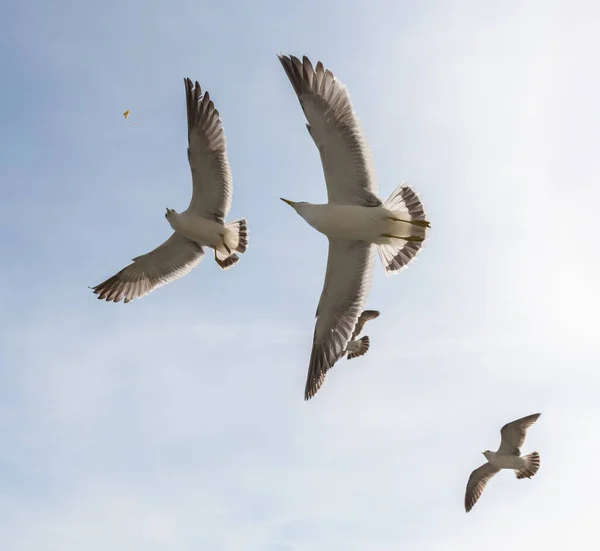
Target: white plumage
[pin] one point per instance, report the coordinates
(508, 456)
(201, 224)
(354, 218)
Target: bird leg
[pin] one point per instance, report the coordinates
(415, 238)
(420, 223)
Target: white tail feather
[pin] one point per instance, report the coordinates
(240, 227)
(237, 241)
(397, 255)
(530, 467)
(359, 347)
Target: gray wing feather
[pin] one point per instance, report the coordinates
(207, 155)
(513, 434)
(364, 318)
(345, 291)
(345, 154)
(477, 481)
(176, 257)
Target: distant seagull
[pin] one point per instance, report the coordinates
(353, 219)
(508, 456)
(359, 347)
(202, 224)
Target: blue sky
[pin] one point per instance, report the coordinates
(177, 422)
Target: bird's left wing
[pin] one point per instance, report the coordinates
(347, 285)
(476, 484)
(207, 154)
(513, 434)
(364, 318)
(345, 154)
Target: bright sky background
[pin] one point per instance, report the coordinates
(177, 422)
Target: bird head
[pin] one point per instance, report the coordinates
(294, 204)
(487, 454)
(171, 217)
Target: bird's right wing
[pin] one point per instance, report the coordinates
(347, 285)
(176, 257)
(477, 481)
(364, 318)
(513, 434)
(345, 154)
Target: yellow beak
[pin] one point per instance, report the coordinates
(290, 203)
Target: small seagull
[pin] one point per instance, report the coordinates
(202, 224)
(508, 456)
(359, 347)
(354, 219)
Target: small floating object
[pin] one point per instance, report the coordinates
(126, 113)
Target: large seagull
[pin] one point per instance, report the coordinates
(202, 224)
(354, 219)
(508, 456)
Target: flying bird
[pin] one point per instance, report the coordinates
(202, 224)
(354, 219)
(126, 113)
(359, 347)
(508, 456)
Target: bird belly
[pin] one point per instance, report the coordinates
(201, 230)
(348, 222)
(376, 225)
(507, 461)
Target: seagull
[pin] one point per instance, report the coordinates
(202, 224)
(508, 456)
(354, 219)
(359, 347)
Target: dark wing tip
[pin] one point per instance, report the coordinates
(310, 392)
(295, 71)
(528, 420)
(317, 369)
(313, 385)
(107, 290)
(471, 499)
(531, 419)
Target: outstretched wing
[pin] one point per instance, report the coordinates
(345, 154)
(477, 481)
(207, 154)
(513, 434)
(347, 285)
(176, 257)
